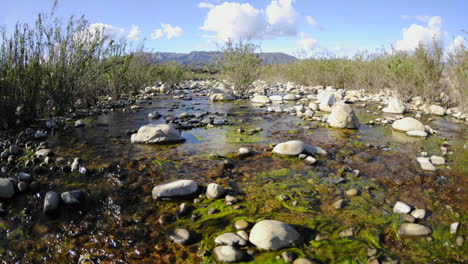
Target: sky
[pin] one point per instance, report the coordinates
(296, 27)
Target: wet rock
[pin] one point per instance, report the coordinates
(419, 213)
(437, 160)
(407, 218)
(221, 94)
(51, 202)
(14, 150)
(289, 97)
(288, 256)
(7, 191)
(343, 116)
(40, 135)
(310, 160)
(22, 186)
(346, 233)
(408, 124)
(261, 99)
(314, 150)
(4, 155)
(180, 235)
(229, 199)
(373, 261)
(44, 153)
(352, 192)
(214, 191)
(460, 241)
(394, 106)
(273, 235)
(184, 209)
(241, 224)
(401, 208)
(289, 148)
(244, 152)
(156, 134)
(230, 239)
(425, 164)
(417, 133)
(228, 254)
(338, 204)
(411, 230)
(454, 228)
(276, 98)
(363, 157)
(72, 197)
(175, 189)
(154, 115)
(22, 176)
(79, 123)
(304, 261)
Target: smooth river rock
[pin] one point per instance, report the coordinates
(51, 201)
(343, 116)
(7, 190)
(175, 189)
(408, 124)
(273, 235)
(156, 134)
(230, 239)
(289, 148)
(411, 230)
(214, 191)
(425, 164)
(394, 106)
(228, 254)
(401, 208)
(261, 99)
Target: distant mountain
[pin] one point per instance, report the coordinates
(201, 58)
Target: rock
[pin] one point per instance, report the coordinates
(342, 116)
(14, 150)
(460, 240)
(394, 106)
(244, 152)
(156, 134)
(276, 98)
(437, 110)
(437, 160)
(72, 197)
(273, 235)
(352, 192)
(408, 124)
(154, 115)
(338, 204)
(230, 239)
(241, 224)
(407, 218)
(411, 230)
(314, 150)
(79, 123)
(425, 164)
(261, 99)
(419, 213)
(51, 202)
(24, 177)
(180, 235)
(310, 160)
(346, 233)
(44, 153)
(229, 199)
(221, 94)
(314, 107)
(401, 208)
(289, 97)
(214, 191)
(289, 148)
(7, 190)
(326, 101)
(22, 186)
(417, 133)
(454, 228)
(228, 254)
(288, 256)
(175, 189)
(304, 261)
(243, 234)
(40, 135)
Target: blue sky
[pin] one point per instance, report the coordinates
(337, 27)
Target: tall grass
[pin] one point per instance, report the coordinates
(417, 73)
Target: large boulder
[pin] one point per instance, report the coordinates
(408, 124)
(326, 101)
(221, 94)
(261, 99)
(7, 190)
(394, 106)
(175, 189)
(156, 134)
(437, 110)
(273, 235)
(289, 148)
(343, 116)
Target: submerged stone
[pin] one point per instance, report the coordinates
(289, 148)
(175, 189)
(156, 134)
(7, 190)
(273, 235)
(425, 164)
(411, 229)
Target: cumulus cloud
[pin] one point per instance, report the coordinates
(416, 34)
(306, 43)
(167, 31)
(134, 33)
(311, 21)
(236, 20)
(105, 30)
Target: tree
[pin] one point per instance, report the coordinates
(240, 64)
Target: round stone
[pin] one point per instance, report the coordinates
(241, 224)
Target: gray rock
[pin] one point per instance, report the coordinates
(394, 106)
(288, 256)
(460, 241)
(437, 160)
(22, 186)
(425, 164)
(411, 230)
(40, 135)
(310, 160)
(401, 208)
(230, 239)
(437, 110)
(289, 148)
(51, 202)
(419, 213)
(343, 116)
(180, 236)
(7, 191)
(79, 123)
(156, 134)
(44, 153)
(72, 197)
(273, 235)
(261, 99)
(214, 191)
(314, 150)
(408, 124)
(14, 150)
(175, 189)
(22, 176)
(228, 254)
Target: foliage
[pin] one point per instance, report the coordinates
(240, 64)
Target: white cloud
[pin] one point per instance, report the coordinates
(236, 20)
(134, 33)
(281, 17)
(306, 43)
(205, 5)
(457, 42)
(313, 23)
(416, 34)
(167, 31)
(105, 30)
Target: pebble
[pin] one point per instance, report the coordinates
(180, 235)
(310, 160)
(243, 234)
(229, 199)
(352, 192)
(241, 224)
(460, 240)
(346, 233)
(401, 208)
(230, 239)
(371, 252)
(23, 186)
(244, 152)
(338, 204)
(24, 177)
(288, 256)
(228, 254)
(7, 189)
(212, 211)
(51, 202)
(410, 230)
(407, 218)
(214, 191)
(437, 160)
(419, 213)
(454, 228)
